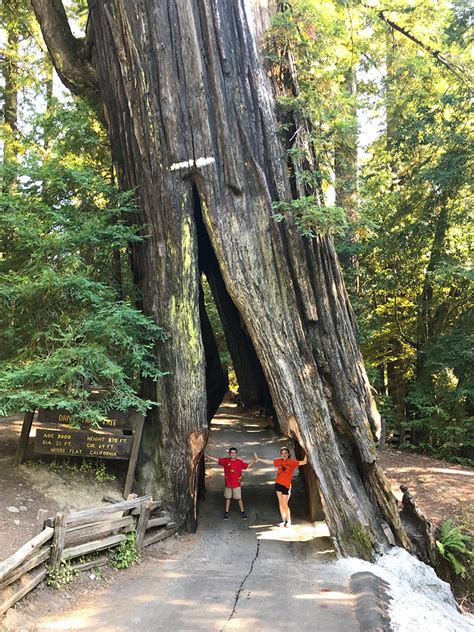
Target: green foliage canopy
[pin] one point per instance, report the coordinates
(66, 323)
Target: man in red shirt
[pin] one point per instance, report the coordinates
(286, 466)
(233, 475)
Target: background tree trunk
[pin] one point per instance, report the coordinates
(346, 180)
(189, 105)
(10, 106)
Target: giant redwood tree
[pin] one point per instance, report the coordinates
(189, 108)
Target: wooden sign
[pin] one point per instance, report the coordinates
(118, 439)
(90, 443)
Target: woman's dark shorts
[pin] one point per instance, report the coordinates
(281, 488)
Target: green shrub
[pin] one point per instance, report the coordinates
(62, 576)
(126, 553)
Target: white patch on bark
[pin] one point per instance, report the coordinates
(200, 162)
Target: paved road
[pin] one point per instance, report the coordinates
(230, 575)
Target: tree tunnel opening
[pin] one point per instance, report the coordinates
(253, 387)
(221, 318)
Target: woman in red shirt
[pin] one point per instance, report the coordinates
(286, 466)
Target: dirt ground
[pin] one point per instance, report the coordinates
(442, 490)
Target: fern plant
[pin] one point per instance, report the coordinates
(454, 546)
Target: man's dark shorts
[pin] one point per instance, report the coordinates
(281, 488)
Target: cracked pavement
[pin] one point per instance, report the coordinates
(233, 574)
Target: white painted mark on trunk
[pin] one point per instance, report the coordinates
(200, 162)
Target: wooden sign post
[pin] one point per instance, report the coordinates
(119, 438)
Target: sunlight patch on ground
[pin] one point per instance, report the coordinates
(11, 426)
(443, 470)
(171, 574)
(71, 623)
(321, 529)
(182, 602)
(243, 623)
(426, 470)
(224, 421)
(327, 595)
(145, 598)
(295, 533)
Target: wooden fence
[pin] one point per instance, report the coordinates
(71, 536)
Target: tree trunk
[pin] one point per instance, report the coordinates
(346, 179)
(426, 313)
(397, 389)
(189, 105)
(10, 109)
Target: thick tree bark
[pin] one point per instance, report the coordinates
(189, 105)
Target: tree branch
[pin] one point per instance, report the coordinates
(68, 54)
(408, 340)
(438, 55)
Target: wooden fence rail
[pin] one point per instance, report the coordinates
(24, 552)
(74, 535)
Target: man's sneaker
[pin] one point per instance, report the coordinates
(226, 516)
(243, 515)
(282, 524)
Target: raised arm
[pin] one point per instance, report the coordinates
(254, 460)
(257, 458)
(211, 458)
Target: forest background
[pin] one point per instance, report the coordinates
(398, 207)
